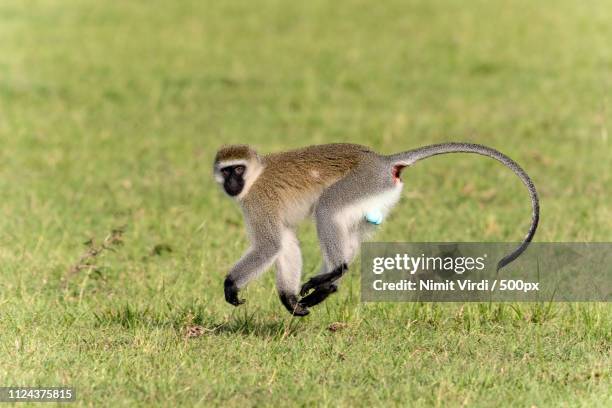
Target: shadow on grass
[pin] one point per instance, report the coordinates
(274, 329)
(194, 319)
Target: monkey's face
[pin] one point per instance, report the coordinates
(232, 178)
(236, 168)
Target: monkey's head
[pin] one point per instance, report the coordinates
(236, 168)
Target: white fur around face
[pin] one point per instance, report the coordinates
(252, 170)
(238, 162)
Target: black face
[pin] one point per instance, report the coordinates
(233, 179)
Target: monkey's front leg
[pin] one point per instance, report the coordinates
(251, 265)
(288, 273)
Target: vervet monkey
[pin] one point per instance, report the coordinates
(338, 184)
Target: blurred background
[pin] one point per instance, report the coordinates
(110, 115)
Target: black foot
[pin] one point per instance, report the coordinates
(323, 279)
(292, 305)
(319, 294)
(231, 292)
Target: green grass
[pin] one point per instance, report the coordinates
(110, 114)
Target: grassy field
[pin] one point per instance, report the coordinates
(110, 114)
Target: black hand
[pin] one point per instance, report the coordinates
(319, 281)
(318, 295)
(292, 305)
(231, 292)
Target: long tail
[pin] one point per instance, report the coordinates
(412, 156)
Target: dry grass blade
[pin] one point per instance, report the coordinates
(93, 251)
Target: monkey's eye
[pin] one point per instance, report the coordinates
(226, 171)
(239, 170)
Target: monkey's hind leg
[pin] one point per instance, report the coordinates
(334, 236)
(339, 243)
(325, 284)
(288, 274)
(323, 279)
(319, 294)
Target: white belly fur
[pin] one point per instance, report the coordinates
(384, 202)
